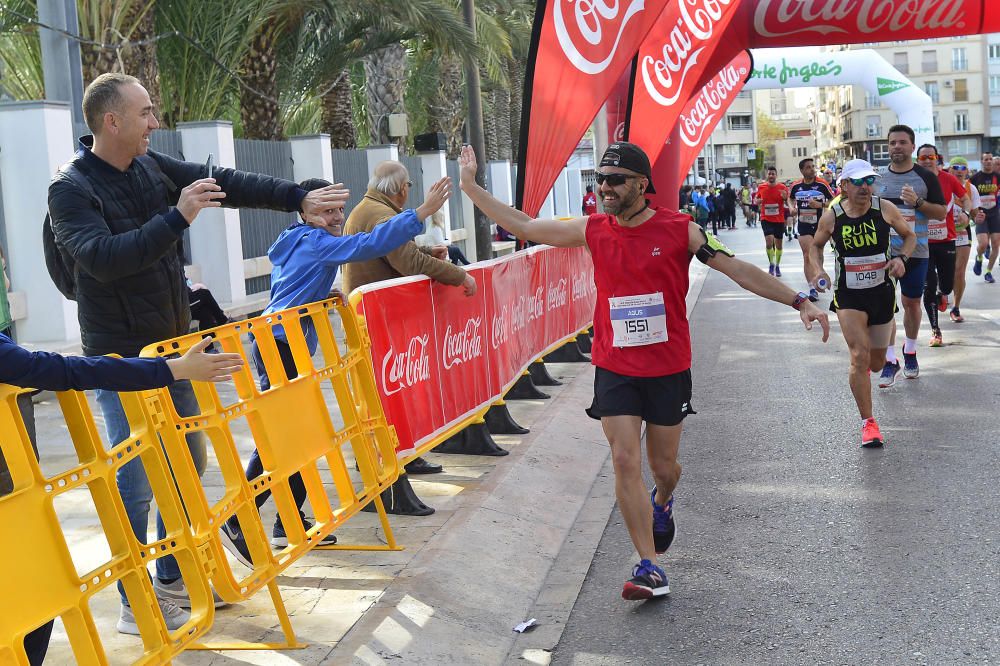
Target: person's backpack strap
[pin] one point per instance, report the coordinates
(58, 262)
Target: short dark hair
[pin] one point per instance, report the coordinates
(773, 168)
(927, 145)
(590, 188)
(310, 184)
(103, 95)
(903, 128)
(803, 161)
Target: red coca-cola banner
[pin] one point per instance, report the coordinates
(702, 114)
(670, 64)
(616, 106)
(440, 357)
(579, 49)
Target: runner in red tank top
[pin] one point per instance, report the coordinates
(642, 347)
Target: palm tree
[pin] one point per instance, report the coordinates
(20, 53)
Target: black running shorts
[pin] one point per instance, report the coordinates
(664, 400)
(776, 229)
(807, 229)
(878, 303)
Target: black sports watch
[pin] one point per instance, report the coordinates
(902, 257)
(800, 298)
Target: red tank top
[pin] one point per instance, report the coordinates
(639, 261)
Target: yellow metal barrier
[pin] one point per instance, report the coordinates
(293, 430)
(37, 573)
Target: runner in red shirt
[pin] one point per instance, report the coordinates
(590, 201)
(941, 242)
(642, 346)
(771, 197)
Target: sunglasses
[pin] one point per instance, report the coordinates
(410, 183)
(959, 167)
(858, 182)
(614, 179)
(922, 158)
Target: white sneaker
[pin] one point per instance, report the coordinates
(173, 616)
(176, 593)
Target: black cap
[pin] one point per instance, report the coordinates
(629, 156)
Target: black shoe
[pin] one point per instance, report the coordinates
(232, 540)
(421, 466)
(279, 539)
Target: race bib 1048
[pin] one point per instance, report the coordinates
(638, 320)
(864, 272)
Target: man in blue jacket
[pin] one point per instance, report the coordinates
(305, 259)
(118, 212)
(43, 370)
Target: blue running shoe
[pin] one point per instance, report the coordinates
(910, 368)
(888, 376)
(648, 581)
(977, 265)
(770, 269)
(777, 270)
(989, 277)
(663, 523)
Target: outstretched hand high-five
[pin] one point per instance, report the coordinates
(809, 313)
(436, 197)
(325, 198)
(469, 166)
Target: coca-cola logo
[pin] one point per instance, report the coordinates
(589, 31)
(500, 332)
(701, 115)
(463, 345)
(558, 294)
(534, 305)
(407, 368)
(583, 286)
(664, 76)
(780, 18)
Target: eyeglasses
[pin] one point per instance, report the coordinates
(858, 182)
(932, 156)
(410, 183)
(959, 167)
(614, 179)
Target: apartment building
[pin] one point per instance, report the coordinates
(724, 157)
(956, 72)
(792, 111)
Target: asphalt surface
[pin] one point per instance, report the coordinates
(796, 546)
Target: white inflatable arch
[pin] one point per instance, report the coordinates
(806, 68)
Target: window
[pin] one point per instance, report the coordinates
(739, 121)
(928, 62)
(937, 123)
(731, 153)
(959, 61)
(994, 52)
(880, 151)
(800, 151)
(994, 85)
(873, 126)
(961, 121)
(931, 88)
(873, 101)
(901, 61)
(994, 119)
(961, 147)
(961, 90)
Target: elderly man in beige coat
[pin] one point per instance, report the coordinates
(387, 192)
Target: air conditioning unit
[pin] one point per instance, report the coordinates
(948, 84)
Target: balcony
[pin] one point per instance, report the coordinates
(873, 131)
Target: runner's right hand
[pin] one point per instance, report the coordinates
(823, 275)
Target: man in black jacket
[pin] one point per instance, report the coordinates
(130, 286)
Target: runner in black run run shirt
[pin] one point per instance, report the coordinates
(986, 183)
(915, 191)
(810, 196)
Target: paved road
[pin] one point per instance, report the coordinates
(794, 545)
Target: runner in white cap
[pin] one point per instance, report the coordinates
(864, 291)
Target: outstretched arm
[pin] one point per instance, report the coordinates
(559, 233)
(752, 278)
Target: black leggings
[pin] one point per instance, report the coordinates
(940, 278)
(255, 467)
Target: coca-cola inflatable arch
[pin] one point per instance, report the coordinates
(581, 49)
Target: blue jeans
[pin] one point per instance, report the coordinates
(133, 485)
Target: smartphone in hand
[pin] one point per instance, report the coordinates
(210, 165)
